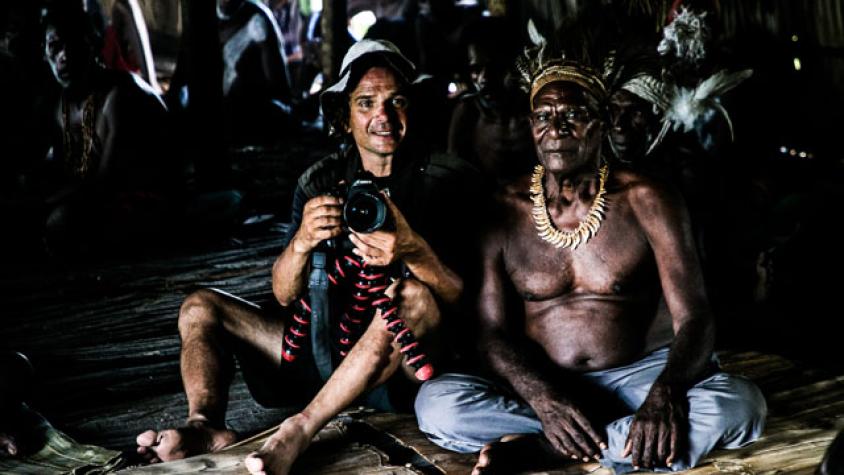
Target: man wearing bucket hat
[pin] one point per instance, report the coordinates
(285, 359)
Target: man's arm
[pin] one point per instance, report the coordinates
(320, 220)
(657, 430)
(565, 426)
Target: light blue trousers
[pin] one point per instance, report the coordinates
(463, 413)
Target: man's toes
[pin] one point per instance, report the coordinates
(483, 461)
(486, 454)
(146, 439)
(254, 463)
(7, 445)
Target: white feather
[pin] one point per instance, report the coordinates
(535, 37)
(690, 106)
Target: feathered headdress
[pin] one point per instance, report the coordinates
(544, 63)
(637, 70)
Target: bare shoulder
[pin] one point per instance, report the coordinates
(508, 207)
(126, 91)
(645, 195)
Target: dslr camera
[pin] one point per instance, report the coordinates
(364, 208)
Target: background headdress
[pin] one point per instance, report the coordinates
(637, 70)
(654, 77)
(683, 48)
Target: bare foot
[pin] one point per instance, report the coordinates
(281, 450)
(173, 444)
(8, 445)
(515, 453)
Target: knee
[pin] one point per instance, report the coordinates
(437, 405)
(741, 410)
(747, 407)
(198, 310)
(57, 226)
(57, 218)
(418, 305)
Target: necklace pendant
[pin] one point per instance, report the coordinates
(585, 230)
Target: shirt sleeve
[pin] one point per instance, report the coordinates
(299, 200)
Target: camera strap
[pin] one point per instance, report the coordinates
(320, 316)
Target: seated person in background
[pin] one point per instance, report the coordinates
(256, 83)
(489, 126)
(593, 313)
(113, 175)
(371, 106)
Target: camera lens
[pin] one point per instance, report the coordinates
(365, 212)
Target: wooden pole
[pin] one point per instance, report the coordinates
(335, 38)
(204, 78)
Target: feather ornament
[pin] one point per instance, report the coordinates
(690, 106)
(685, 38)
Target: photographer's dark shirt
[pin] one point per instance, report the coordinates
(438, 194)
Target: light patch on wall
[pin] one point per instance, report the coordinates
(797, 64)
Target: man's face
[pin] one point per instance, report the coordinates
(378, 114)
(55, 50)
(632, 123)
(68, 60)
(479, 61)
(566, 134)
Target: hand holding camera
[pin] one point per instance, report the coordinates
(321, 220)
(386, 246)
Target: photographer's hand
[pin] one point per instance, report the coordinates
(382, 248)
(321, 220)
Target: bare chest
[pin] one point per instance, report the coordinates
(615, 261)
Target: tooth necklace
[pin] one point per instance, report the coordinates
(584, 231)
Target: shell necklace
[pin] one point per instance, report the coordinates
(80, 163)
(584, 231)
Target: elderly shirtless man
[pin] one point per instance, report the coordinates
(593, 314)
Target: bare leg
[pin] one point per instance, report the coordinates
(209, 321)
(370, 362)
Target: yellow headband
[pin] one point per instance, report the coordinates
(569, 72)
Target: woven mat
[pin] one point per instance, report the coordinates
(59, 454)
